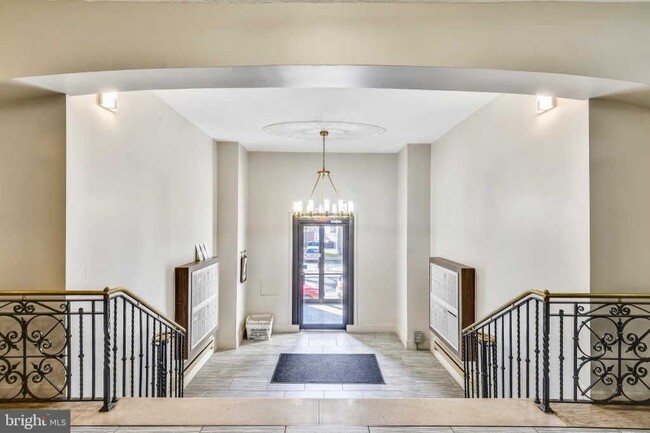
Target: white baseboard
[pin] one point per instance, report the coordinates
(285, 329)
(228, 343)
(410, 345)
(398, 331)
(199, 363)
(372, 328)
(453, 370)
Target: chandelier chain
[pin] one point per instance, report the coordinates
(323, 134)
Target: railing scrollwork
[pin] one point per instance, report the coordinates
(66, 345)
(594, 348)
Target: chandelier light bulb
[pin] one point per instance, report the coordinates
(297, 206)
(310, 206)
(326, 206)
(350, 206)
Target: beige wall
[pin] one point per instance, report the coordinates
(619, 150)
(139, 195)
(32, 194)
(232, 163)
(75, 36)
(510, 197)
(242, 234)
(401, 301)
(419, 229)
(276, 180)
(413, 242)
(619, 153)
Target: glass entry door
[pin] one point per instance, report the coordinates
(322, 273)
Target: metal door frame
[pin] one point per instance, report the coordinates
(348, 262)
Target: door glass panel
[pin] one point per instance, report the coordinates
(333, 287)
(333, 248)
(329, 310)
(310, 288)
(323, 314)
(311, 250)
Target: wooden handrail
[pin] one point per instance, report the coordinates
(100, 293)
(52, 292)
(601, 295)
(505, 305)
(545, 295)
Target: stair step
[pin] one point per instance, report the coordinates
(305, 411)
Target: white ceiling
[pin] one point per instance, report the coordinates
(409, 116)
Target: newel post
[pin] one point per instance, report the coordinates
(108, 405)
(546, 333)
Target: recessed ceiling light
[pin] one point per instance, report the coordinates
(108, 101)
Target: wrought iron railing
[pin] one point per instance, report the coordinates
(561, 347)
(87, 346)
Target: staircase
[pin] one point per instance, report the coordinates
(562, 347)
(100, 346)
(87, 346)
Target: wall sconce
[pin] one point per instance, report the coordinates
(545, 103)
(108, 101)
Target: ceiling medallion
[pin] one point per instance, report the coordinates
(312, 129)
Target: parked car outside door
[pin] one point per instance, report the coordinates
(311, 254)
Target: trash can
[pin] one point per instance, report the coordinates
(258, 326)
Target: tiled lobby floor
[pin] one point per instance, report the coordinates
(247, 371)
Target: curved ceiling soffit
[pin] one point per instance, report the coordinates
(338, 76)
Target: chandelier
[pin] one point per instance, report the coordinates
(320, 206)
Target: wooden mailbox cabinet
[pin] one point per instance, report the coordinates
(197, 304)
(451, 304)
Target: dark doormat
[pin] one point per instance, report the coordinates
(327, 368)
